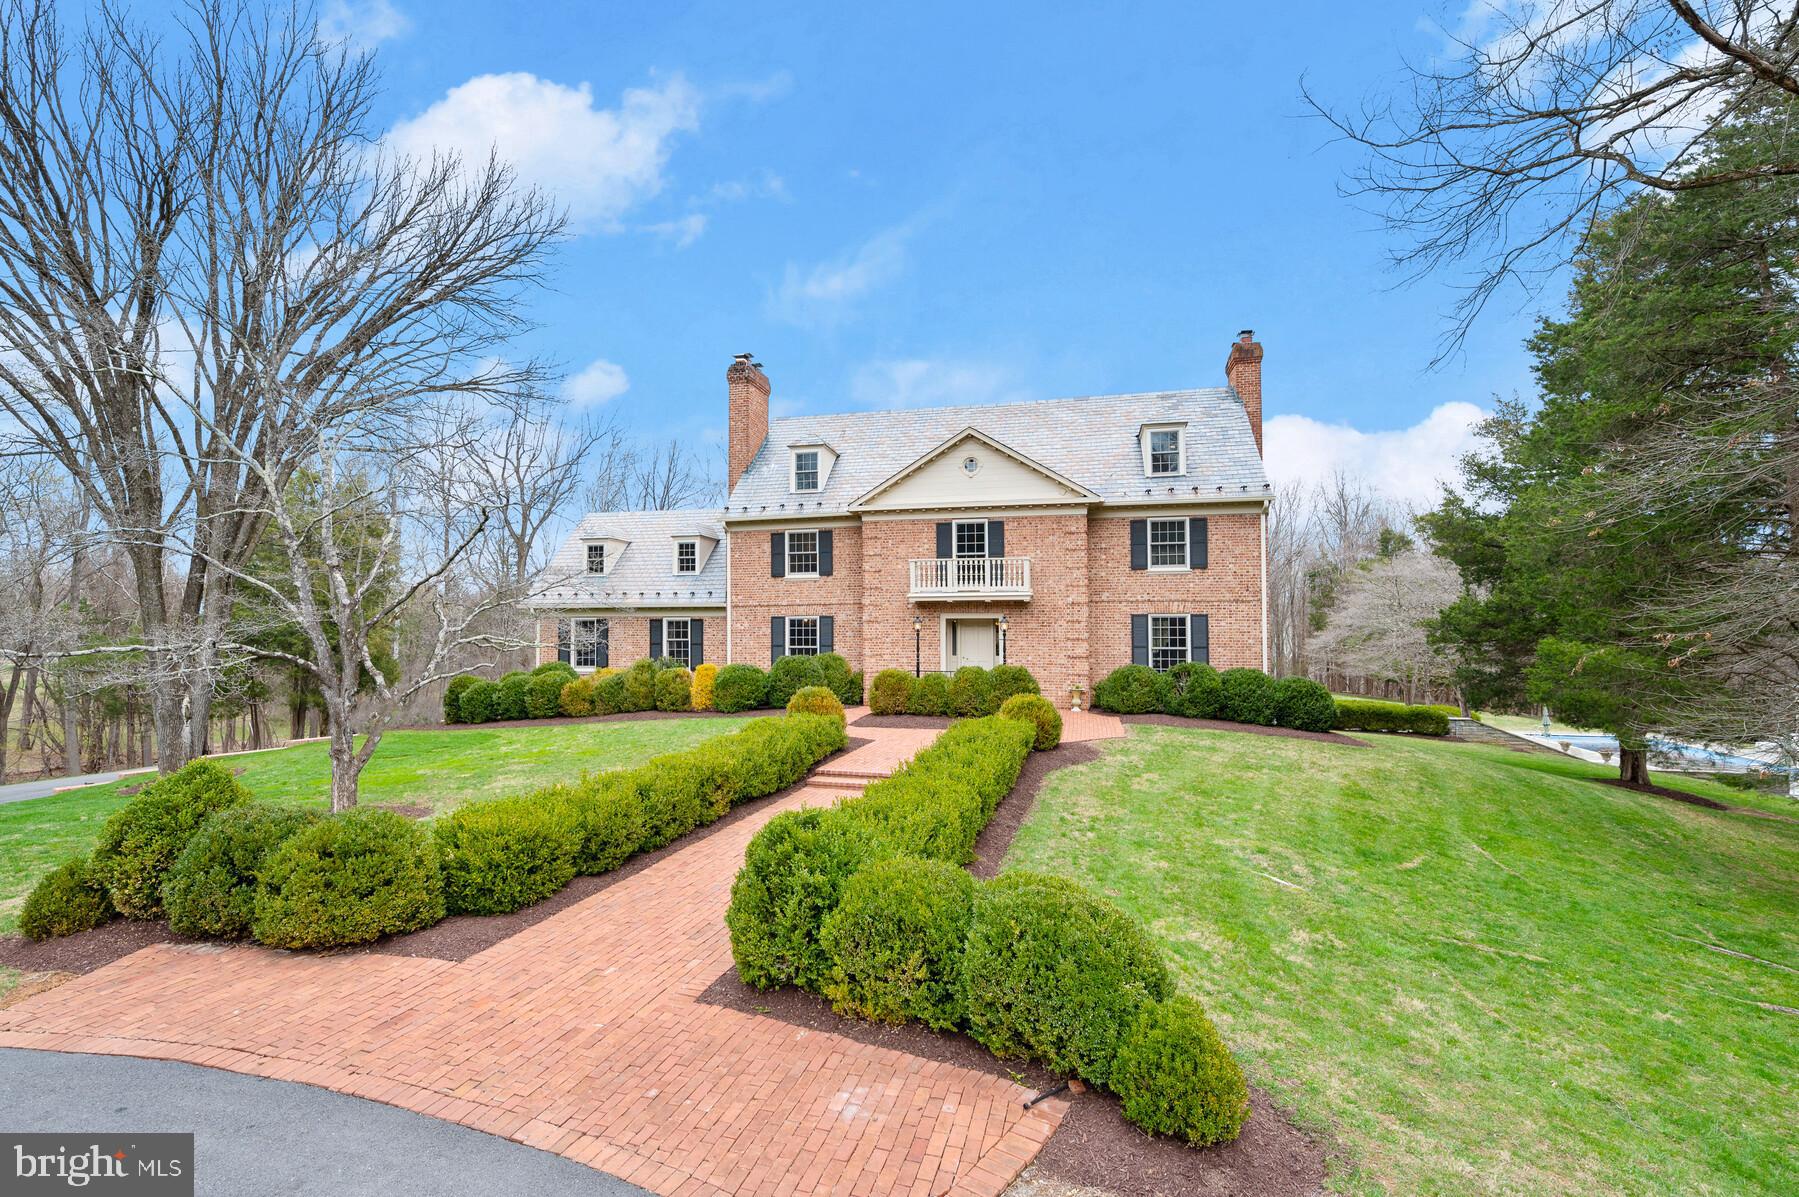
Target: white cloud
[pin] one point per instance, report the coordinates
(925, 382)
(600, 381)
(828, 291)
(766, 185)
(365, 24)
(598, 162)
(683, 231)
(1406, 465)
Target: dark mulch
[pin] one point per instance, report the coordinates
(627, 717)
(411, 810)
(1696, 800)
(937, 721)
(87, 951)
(991, 846)
(1254, 729)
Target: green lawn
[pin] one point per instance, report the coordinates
(1472, 969)
(439, 769)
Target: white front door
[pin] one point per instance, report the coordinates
(970, 642)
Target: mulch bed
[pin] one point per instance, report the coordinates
(87, 951)
(936, 721)
(1254, 729)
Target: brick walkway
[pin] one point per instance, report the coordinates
(581, 1036)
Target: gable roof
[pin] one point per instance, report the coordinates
(1090, 442)
(895, 480)
(644, 573)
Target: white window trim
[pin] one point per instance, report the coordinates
(818, 631)
(1148, 437)
(1186, 621)
(1149, 547)
(687, 540)
(573, 621)
(587, 558)
(787, 554)
(955, 538)
(687, 626)
(793, 470)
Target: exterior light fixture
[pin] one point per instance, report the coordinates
(917, 646)
(1002, 638)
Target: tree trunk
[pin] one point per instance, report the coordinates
(344, 766)
(1633, 766)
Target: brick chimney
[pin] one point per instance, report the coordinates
(1243, 374)
(747, 413)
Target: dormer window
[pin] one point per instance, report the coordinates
(805, 470)
(687, 557)
(1167, 453)
(596, 558)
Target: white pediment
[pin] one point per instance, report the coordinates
(971, 469)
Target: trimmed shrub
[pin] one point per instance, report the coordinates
(970, 690)
(476, 703)
(938, 803)
(640, 687)
(453, 696)
(1195, 691)
(142, 840)
(1360, 714)
(1132, 690)
(1176, 1076)
(1004, 681)
(740, 688)
(1056, 973)
(1040, 713)
(930, 696)
(680, 791)
(511, 696)
(576, 698)
(561, 668)
(895, 943)
(67, 899)
(790, 674)
(815, 700)
(858, 687)
(543, 695)
(793, 875)
(607, 815)
(610, 696)
(703, 678)
(674, 690)
(1302, 704)
(503, 854)
(211, 888)
(838, 678)
(1248, 696)
(891, 692)
(350, 878)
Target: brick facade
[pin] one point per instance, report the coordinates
(757, 596)
(628, 636)
(1228, 591)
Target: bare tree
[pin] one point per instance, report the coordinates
(672, 477)
(1377, 627)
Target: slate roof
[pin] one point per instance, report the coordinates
(644, 573)
(1091, 440)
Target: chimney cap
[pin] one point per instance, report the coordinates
(1248, 334)
(742, 357)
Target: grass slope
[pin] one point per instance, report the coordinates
(1476, 971)
(439, 769)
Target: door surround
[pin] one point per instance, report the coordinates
(943, 635)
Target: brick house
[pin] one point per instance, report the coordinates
(1070, 536)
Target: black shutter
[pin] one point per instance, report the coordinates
(777, 554)
(1196, 544)
(1139, 544)
(1199, 638)
(696, 643)
(1139, 639)
(824, 553)
(777, 638)
(655, 639)
(946, 540)
(826, 641)
(996, 538)
(562, 643)
(602, 634)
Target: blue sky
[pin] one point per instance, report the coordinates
(928, 203)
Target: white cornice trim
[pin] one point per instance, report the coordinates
(999, 447)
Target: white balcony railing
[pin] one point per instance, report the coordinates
(971, 577)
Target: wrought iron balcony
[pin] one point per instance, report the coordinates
(971, 578)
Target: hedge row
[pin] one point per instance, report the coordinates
(1373, 715)
(517, 695)
(662, 685)
(969, 693)
(1198, 691)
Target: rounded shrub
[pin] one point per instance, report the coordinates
(890, 693)
(608, 818)
(838, 678)
(789, 675)
(815, 700)
(674, 689)
(1004, 681)
(740, 688)
(969, 690)
(1248, 696)
(211, 888)
(576, 697)
(1040, 713)
(500, 855)
(510, 695)
(543, 695)
(704, 676)
(142, 840)
(640, 686)
(1195, 691)
(68, 899)
(792, 877)
(349, 878)
(930, 696)
(895, 943)
(1057, 973)
(610, 696)
(1131, 690)
(1304, 705)
(560, 668)
(453, 696)
(1176, 1076)
(476, 703)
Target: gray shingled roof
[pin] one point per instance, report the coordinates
(644, 574)
(1091, 440)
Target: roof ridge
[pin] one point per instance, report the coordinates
(948, 407)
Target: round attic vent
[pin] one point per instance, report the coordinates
(971, 466)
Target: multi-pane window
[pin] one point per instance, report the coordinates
(1165, 451)
(1167, 641)
(802, 635)
(596, 558)
(971, 538)
(677, 641)
(1168, 544)
(802, 552)
(585, 638)
(805, 470)
(687, 557)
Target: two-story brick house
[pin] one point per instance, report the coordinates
(1070, 536)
